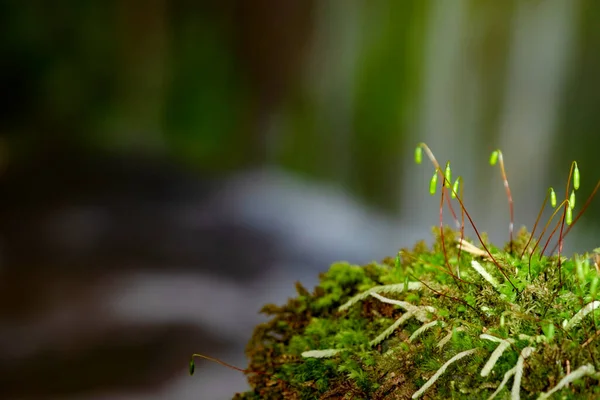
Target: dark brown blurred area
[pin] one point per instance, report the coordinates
(78, 224)
(121, 360)
(272, 47)
(69, 234)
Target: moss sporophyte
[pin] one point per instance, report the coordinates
(459, 319)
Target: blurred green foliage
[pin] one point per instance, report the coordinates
(226, 85)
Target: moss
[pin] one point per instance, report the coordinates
(443, 321)
(400, 364)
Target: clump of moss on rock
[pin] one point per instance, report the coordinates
(384, 331)
(459, 319)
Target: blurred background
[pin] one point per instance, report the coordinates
(168, 167)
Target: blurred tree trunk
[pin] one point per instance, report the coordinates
(143, 55)
(271, 42)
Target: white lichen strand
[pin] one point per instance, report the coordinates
(487, 368)
(445, 340)
(584, 370)
(471, 248)
(496, 354)
(320, 353)
(515, 393)
(486, 275)
(394, 288)
(517, 370)
(533, 339)
(420, 312)
(383, 335)
(577, 318)
(440, 371)
(491, 338)
(404, 304)
(423, 328)
(507, 376)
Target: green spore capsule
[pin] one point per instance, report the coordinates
(552, 198)
(569, 216)
(192, 367)
(448, 175)
(494, 157)
(418, 155)
(572, 200)
(433, 183)
(576, 177)
(455, 187)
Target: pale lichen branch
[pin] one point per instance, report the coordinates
(584, 370)
(471, 248)
(420, 312)
(423, 328)
(496, 354)
(393, 288)
(577, 318)
(320, 353)
(383, 335)
(515, 393)
(517, 370)
(486, 275)
(440, 371)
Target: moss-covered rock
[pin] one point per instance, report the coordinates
(389, 330)
(458, 320)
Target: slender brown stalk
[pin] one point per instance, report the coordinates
(562, 224)
(580, 213)
(441, 172)
(462, 227)
(447, 185)
(443, 242)
(543, 232)
(510, 200)
(550, 237)
(537, 220)
(223, 363)
(462, 206)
